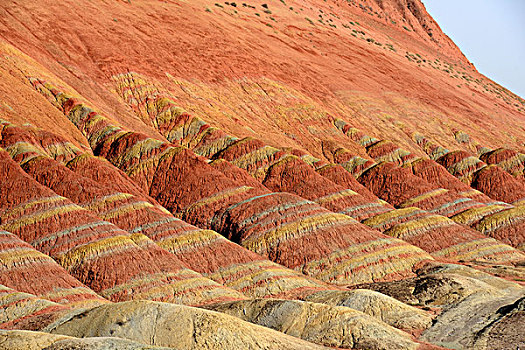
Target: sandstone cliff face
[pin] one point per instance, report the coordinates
(263, 175)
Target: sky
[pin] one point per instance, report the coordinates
(491, 33)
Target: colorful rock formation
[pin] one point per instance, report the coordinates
(262, 175)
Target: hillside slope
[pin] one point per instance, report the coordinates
(295, 174)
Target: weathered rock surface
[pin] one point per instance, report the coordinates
(475, 308)
(177, 326)
(27, 340)
(339, 327)
(380, 306)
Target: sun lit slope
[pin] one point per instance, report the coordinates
(305, 61)
(20, 104)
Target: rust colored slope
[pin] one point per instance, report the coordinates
(461, 164)
(258, 159)
(272, 224)
(340, 176)
(280, 171)
(428, 170)
(248, 151)
(211, 254)
(434, 173)
(400, 187)
(291, 174)
(288, 173)
(27, 270)
(511, 161)
(433, 233)
(127, 211)
(206, 251)
(498, 184)
(87, 246)
(250, 154)
(318, 59)
(494, 181)
(161, 169)
(203, 250)
(509, 230)
(235, 173)
(21, 105)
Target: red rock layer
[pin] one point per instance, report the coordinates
(293, 175)
(251, 154)
(435, 234)
(235, 173)
(272, 224)
(340, 176)
(387, 151)
(497, 183)
(209, 253)
(204, 251)
(26, 311)
(434, 173)
(431, 232)
(29, 271)
(400, 187)
(509, 160)
(280, 171)
(461, 164)
(87, 246)
(428, 170)
(161, 169)
(493, 182)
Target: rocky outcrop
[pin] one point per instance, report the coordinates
(233, 208)
(342, 177)
(475, 306)
(291, 174)
(205, 251)
(498, 184)
(285, 172)
(26, 311)
(432, 172)
(334, 327)
(175, 326)
(386, 309)
(509, 160)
